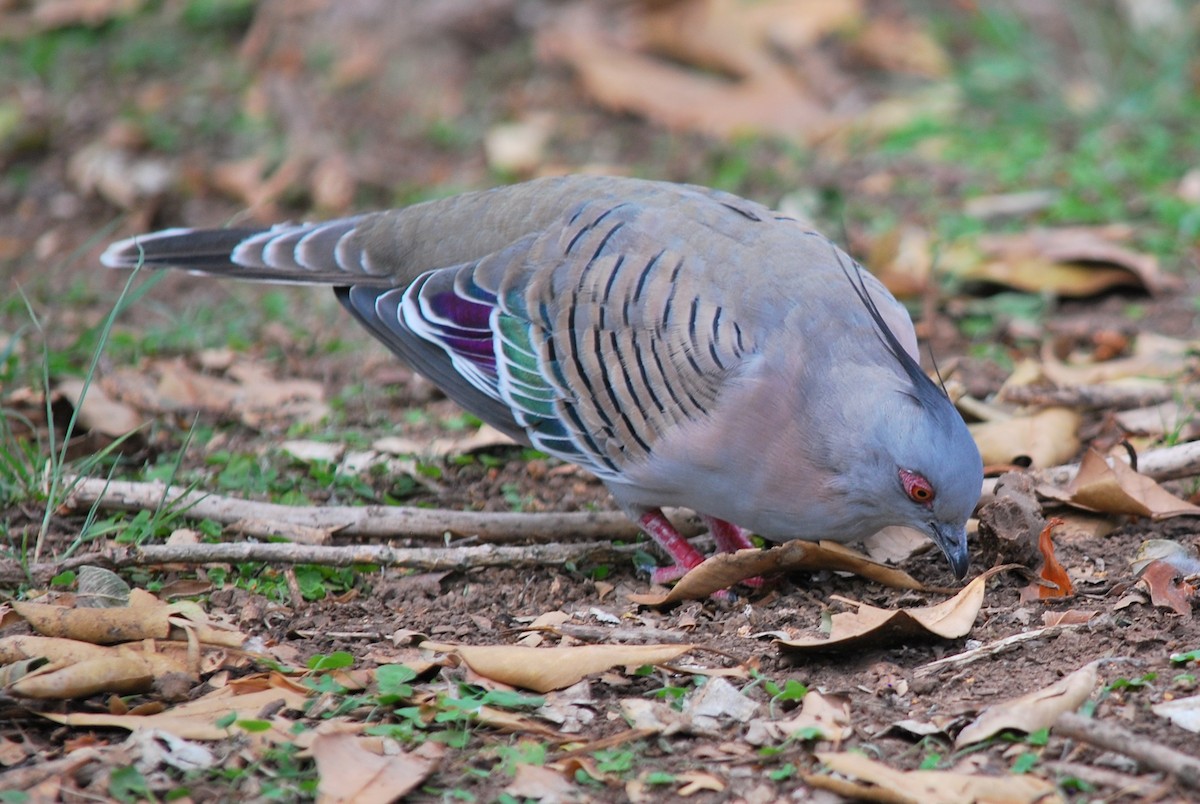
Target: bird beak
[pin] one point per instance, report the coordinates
(953, 541)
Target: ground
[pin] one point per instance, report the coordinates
(205, 113)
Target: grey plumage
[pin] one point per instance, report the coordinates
(687, 346)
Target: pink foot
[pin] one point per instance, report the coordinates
(684, 555)
(730, 538)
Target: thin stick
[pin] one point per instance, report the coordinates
(1111, 737)
(1113, 397)
(430, 559)
(1168, 463)
(993, 648)
(374, 521)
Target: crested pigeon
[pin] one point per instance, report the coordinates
(688, 347)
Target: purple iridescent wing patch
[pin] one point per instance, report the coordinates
(461, 325)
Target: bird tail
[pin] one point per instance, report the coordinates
(310, 254)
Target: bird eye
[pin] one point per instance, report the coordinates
(916, 487)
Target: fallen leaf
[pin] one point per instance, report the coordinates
(1167, 587)
(97, 410)
(723, 570)
(119, 175)
(1036, 710)
(121, 674)
(716, 703)
(1048, 437)
(197, 720)
(100, 626)
(1183, 712)
(1051, 570)
(698, 782)
(716, 67)
(1071, 261)
(1153, 356)
(1069, 617)
(483, 437)
(896, 544)
(829, 715)
(869, 626)
(878, 782)
(1180, 556)
(545, 669)
(1115, 488)
(350, 772)
(540, 783)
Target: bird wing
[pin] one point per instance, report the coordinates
(586, 315)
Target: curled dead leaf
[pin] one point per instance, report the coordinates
(1113, 487)
(545, 669)
(1167, 587)
(1048, 437)
(100, 626)
(1037, 710)
(869, 626)
(723, 570)
(1059, 583)
(1071, 261)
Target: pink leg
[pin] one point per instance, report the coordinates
(729, 537)
(683, 554)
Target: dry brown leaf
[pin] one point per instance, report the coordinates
(869, 625)
(58, 651)
(654, 82)
(98, 411)
(878, 782)
(1117, 489)
(121, 674)
(350, 772)
(1073, 261)
(1049, 437)
(1167, 587)
(726, 569)
(1069, 617)
(196, 720)
(483, 437)
(896, 544)
(100, 626)
(828, 714)
(1183, 712)
(1179, 555)
(899, 45)
(902, 259)
(698, 782)
(1153, 356)
(1051, 570)
(118, 175)
(1037, 710)
(541, 784)
(545, 669)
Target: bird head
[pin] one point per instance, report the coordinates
(926, 471)
(931, 474)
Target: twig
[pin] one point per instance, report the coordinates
(1116, 397)
(377, 521)
(1111, 737)
(430, 559)
(994, 648)
(1104, 777)
(1168, 463)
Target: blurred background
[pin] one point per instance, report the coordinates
(1039, 151)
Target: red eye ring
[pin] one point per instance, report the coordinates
(917, 487)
